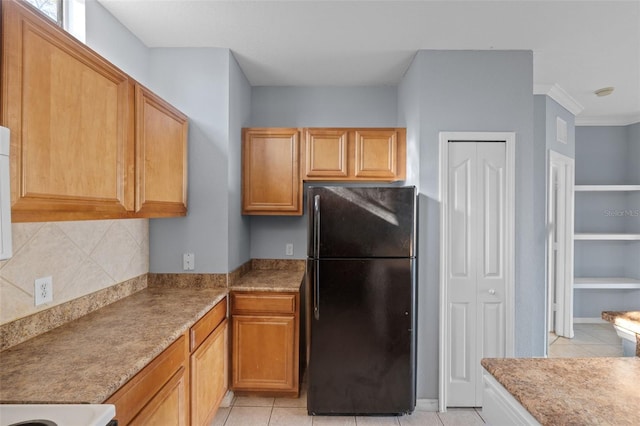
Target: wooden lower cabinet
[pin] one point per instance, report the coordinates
(209, 376)
(185, 384)
(265, 343)
(168, 407)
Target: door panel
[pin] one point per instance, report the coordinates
(459, 320)
(349, 214)
(476, 217)
(362, 350)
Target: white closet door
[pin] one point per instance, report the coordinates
(477, 281)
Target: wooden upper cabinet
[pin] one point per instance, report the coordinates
(161, 156)
(376, 154)
(71, 121)
(325, 153)
(351, 155)
(271, 183)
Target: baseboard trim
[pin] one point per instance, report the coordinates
(594, 320)
(227, 399)
(427, 405)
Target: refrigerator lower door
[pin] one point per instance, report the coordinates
(362, 350)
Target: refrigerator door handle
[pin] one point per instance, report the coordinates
(316, 290)
(316, 253)
(316, 226)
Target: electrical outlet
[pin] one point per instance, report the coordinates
(288, 249)
(188, 261)
(43, 290)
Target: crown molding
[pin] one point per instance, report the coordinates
(610, 120)
(559, 95)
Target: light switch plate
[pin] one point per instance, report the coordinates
(188, 261)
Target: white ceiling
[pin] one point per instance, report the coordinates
(579, 46)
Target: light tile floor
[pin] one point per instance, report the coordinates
(256, 411)
(590, 340)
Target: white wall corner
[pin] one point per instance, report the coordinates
(559, 95)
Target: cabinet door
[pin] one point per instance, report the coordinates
(70, 116)
(271, 183)
(325, 154)
(168, 407)
(377, 152)
(161, 157)
(209, 376)
(263, 353)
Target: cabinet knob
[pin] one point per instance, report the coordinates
(492, 291)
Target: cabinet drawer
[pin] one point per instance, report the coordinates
(263, 303)
(206, 324)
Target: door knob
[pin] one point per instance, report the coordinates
(492, 291)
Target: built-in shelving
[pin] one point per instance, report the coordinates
(606, 283)
(613, 283)
(606, 188)
(606, 236)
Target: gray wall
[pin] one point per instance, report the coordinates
(476, 91)
(239, 112)
(209, 87)
(633, 173)
(607, 155)
(107, 36)
(546, 112)
(196, 81)
(311, 107)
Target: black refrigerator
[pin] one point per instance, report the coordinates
(360, 295)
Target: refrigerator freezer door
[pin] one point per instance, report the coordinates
(357, 222)
(362, 352)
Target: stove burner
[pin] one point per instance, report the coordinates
(35, 422)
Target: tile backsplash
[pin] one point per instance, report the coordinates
(82, 257)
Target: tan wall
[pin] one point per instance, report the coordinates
(82, 257)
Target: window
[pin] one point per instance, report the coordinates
(50, 8)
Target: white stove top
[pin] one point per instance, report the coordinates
(59, 414)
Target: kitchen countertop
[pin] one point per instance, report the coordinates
(627, 320)
(88, 359)
(269, 280)
(572, 391)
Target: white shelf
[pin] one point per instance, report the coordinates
(605, 236)
(606, 283)
(606, 188)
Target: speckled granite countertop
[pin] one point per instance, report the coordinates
(269, 280)
(628, 320)
(86, 360)
(625, 319)
(573, 391)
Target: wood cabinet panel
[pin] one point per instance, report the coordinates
(168, 407)
(376, 154)
(352, 155)
(263, 348)
(205, 325)
(263, 303)
(161, 156)
(209, 376)
(271, 181)
(143, 388)
(326, 153)
(265, 343)
(70, 116)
